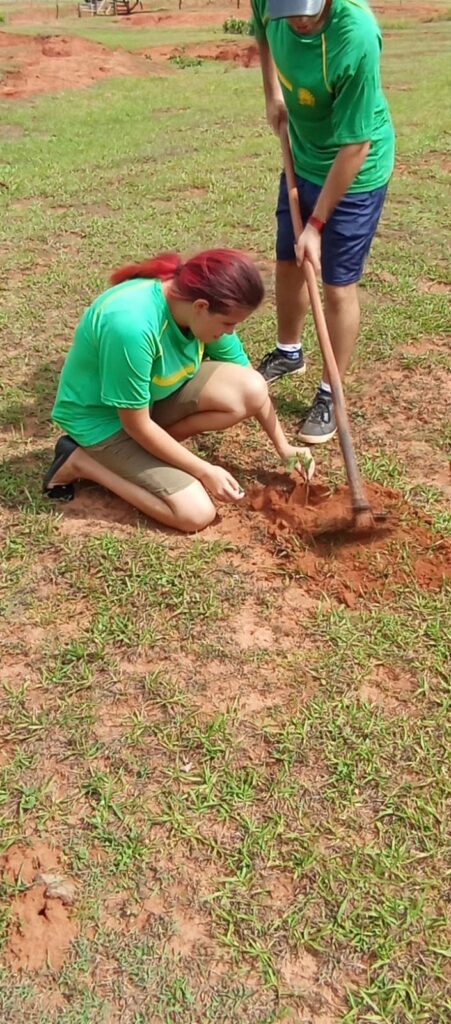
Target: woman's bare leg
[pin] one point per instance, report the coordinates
(189, 510)
(232, 394)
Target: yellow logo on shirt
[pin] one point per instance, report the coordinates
(306, 98)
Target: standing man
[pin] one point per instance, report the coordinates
(320, 63)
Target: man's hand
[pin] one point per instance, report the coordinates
(276, 114)
(308, 247)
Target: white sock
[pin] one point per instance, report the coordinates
(325, 387)
(289, 348)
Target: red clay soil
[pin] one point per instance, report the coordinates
(313, 529)
(41, 929)
(48, 64)
(243, 53)
(275, 527)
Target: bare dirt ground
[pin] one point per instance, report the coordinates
(42, 64)
(41, 927)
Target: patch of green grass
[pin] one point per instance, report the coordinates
(238, 27)
(115, 36)
(184, 61)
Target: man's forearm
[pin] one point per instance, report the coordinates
(345, 168)
(271, 84)
(272, 426)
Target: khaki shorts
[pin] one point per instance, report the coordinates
(128, 459)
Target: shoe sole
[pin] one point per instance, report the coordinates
(315, 439)
(286, 373)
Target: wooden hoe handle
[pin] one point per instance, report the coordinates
(359, 501)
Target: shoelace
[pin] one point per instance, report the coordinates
(268, 358)
(272, 357)
(321, 410)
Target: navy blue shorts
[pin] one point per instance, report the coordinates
(347, 236)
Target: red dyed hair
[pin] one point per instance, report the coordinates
(225, 278)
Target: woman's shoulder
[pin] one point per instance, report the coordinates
(136, 305)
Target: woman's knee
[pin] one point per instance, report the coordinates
(193, 508)
(255, 392)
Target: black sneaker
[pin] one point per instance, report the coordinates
(276, 364)
(319, 425)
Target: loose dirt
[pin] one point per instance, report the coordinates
(311, 510)
(311, 533)
(312, 529)
(41, 929)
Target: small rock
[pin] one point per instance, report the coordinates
(57, 887)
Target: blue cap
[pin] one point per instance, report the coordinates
(294, 8)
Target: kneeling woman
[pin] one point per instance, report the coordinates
(136, 383)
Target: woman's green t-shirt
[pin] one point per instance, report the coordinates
(128, 353)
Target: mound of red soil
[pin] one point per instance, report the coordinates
(239, 52)
(41, 929)
(41, 64)
(311, 510)
(313, 527)
(244, 54)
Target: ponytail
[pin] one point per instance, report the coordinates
(225, 278)
(163, 267)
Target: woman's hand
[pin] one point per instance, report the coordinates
(300, 459)
(221, 484)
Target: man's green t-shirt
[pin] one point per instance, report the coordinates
(128, 353)
(332, 89)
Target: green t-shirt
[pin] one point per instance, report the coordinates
(332, 89)
(128, 353)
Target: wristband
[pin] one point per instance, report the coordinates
(317, 223)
